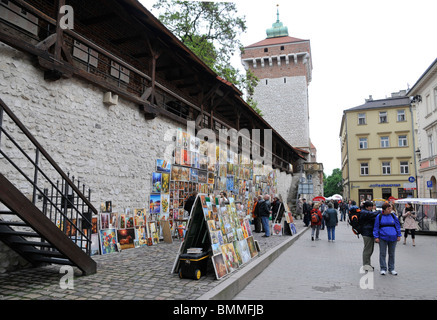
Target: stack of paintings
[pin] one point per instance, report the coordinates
(231, 237)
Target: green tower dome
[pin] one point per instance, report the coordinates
(277, 29)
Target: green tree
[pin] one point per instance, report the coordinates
(333, 183)
(210, 30)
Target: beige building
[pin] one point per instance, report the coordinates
(378, 149)
(424, 98)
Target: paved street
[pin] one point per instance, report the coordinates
(324, 270)
(136, 274)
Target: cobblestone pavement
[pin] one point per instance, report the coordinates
(324, 270)
(136, 274)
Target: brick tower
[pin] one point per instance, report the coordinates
(283, 66)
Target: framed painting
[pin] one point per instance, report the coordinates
(108, 241)
(231, 259)
(163, 166)
(252, 248)
(156, 182)
(219, 266)
(126, 238)
(155, 203)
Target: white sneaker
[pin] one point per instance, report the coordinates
(394, 273)
(383, 272)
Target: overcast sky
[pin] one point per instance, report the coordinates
(359, 48)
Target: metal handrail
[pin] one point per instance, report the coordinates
(68, 192)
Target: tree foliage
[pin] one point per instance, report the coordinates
(210, 30)
(333, 184)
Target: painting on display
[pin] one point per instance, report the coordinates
(156, 182)
(126, 238)
(155, 203)
(163, 166)
(219, 266)
(108, 240)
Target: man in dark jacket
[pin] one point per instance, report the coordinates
(277, 209)
(264, 212)
(306, 208)
(367, 221)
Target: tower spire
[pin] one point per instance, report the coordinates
(277, 29)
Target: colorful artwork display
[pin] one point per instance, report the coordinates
(196, 166)
(231, 236)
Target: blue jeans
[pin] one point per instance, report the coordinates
(383, 245)
(265, 222)
(331, 233)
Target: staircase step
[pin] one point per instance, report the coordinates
(13, 223)
(33, 243)
(20, 233)
(53, 260)
(46, 253)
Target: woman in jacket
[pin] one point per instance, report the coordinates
(387, 232)
(331, 221)
(410, 224)
(316, 221)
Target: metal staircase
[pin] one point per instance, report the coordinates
(44, 216)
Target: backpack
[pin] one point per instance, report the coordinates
(314, 217)
(354, 220)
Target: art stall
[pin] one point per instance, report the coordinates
(195, 166)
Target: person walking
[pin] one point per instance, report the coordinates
(306, 212)
(316, 221)
(264, 212)
(367, 223)
(410, 224)
(255, 215)
(387, 232)
(331, 220)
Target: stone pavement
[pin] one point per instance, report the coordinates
(136, 274)
(324, 270)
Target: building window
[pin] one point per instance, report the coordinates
(402, 141)
(428, 104)
(364, 169)
(401, 115)
(361, 118)
(385, 142)
(282, 48)
(430, 145)
(386, 168)
(363, 143)
(266, 49)
(383, 117)
(404, 167)
(435, 98)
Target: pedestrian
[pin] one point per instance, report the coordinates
(387, 232)
(190, 201)
(344, 211)
(316, 221)
(410, 225)
(255, 215)
(367, 223)
(306, 208)
(264, 212)
(323, 207)
(331, 219)
(299, 209)
(277, 209)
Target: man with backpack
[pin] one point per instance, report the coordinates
(316, 221)
(366, 221)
